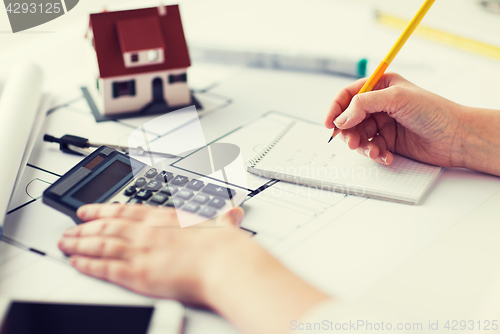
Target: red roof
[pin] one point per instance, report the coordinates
(108, 26)
(140, 34)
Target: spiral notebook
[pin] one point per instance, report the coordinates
(300, 154)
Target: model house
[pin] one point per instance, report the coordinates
(139, 60)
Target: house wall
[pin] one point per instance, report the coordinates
(175, 94)
(142, 58)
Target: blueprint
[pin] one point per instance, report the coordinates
(342, 244)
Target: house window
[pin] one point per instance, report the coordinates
(173, 78)
(134, 57)
(123, 88)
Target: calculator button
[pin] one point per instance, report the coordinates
(174, 202)
(164, 176)
(159, 198)
(217, 203)
(144, 194)
(153, 185)
(130, 191)
(169, 190)
(201, 198)
(134, 201)
(141, 182)
(191, 207)
(219, 191)
(207, 212)
(195, 185)
(185, 194)
(179, 180)
(151, 173)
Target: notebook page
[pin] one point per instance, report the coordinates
(303, 156)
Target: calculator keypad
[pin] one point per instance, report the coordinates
(161, 188)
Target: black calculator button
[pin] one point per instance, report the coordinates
(179, 180)
(159, 198)
(134, 201)
(174, 202)
(185, 194)
(144, 194)
(153, 185)
(130, 191)
(195, 185)
(217, 203)
(141, 182)
(169, 190)
(164, 176)
(151, 173)
(201, 198)
(191, 207)
(219, 191)
(207, 212)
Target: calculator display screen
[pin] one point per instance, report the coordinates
(103, 182)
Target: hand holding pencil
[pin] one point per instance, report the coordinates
(379, 72)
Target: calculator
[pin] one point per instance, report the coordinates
(109, 176)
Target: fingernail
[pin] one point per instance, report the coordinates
(346, 140)
(237, 214)
(367, 152)
(82, 212)
(70, 231)
(62, 244)
(341, 120)
(384, 159)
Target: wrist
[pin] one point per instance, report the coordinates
(221, 265)
(459, 157)
(246, 283)
(479, 142)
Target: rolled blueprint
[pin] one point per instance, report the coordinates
(19, 108)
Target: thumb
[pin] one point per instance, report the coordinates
(232, 218)
(387, 100)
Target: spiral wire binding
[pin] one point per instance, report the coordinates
(252, 162)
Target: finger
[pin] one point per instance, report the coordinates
(367, 129)
(385, 157)
(341, 101)
(95, 246)
(386, 100)
(95, 211)
(380, 142)
(116, 271)
(111, 227)
(351, 138)
(231, 218)
(368, 149)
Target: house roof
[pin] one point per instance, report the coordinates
(110, 29)
(140, 34)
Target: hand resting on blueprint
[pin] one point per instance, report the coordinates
(213, 265)
(399, 117)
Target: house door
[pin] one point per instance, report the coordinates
(158, 90)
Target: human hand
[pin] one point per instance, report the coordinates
(398, 117)
(214, 265)
(145, 250)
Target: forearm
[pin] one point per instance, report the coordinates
(480, 137)
(257, 294)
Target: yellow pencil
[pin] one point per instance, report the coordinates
(372, 81)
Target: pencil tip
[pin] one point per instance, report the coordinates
(330, 139)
